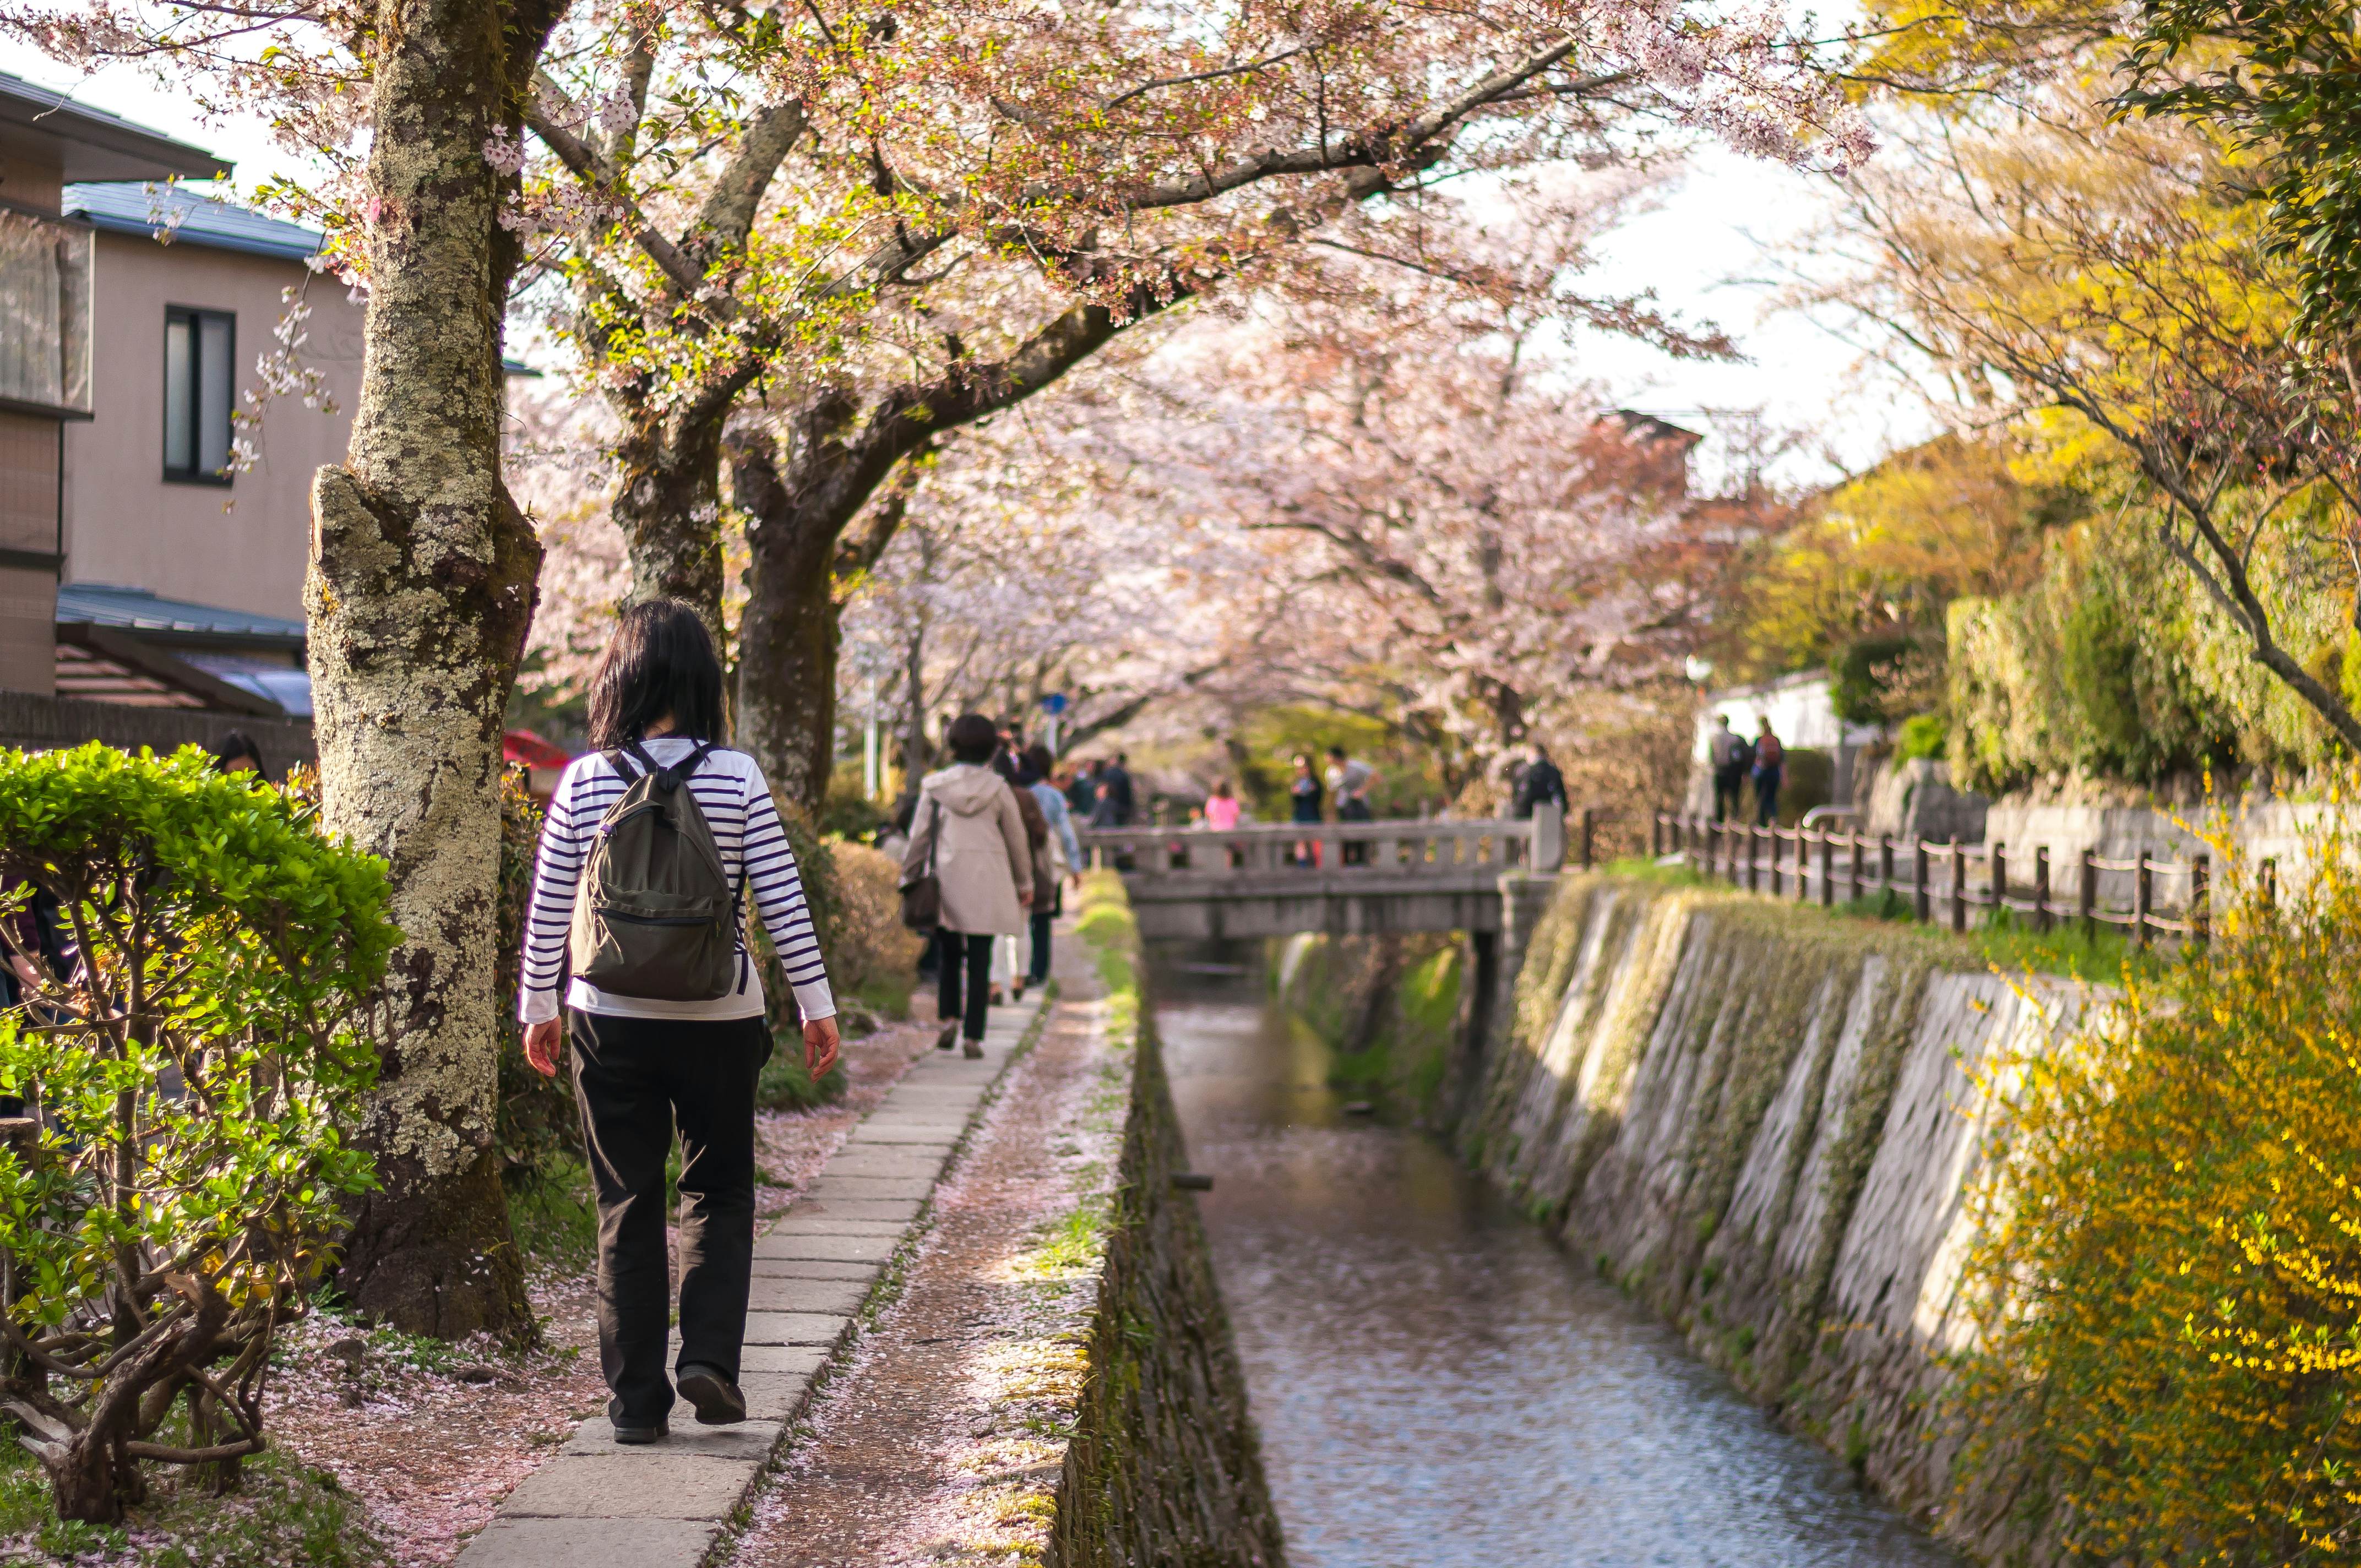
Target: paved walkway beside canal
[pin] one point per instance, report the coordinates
(598, 1505)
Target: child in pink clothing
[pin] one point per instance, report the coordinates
(1221, 807)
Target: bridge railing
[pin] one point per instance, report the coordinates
(1408, 847)
(1943, 876)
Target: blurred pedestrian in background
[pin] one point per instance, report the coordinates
(1541, 782)
(1221, 807)
(969, 832)
(1303, 794)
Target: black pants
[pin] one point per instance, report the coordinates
(1729, 786)
(1038, 969)
(1766, 796)
(636, 1078)
(952, 947)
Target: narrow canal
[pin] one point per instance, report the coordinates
(1435, 1384)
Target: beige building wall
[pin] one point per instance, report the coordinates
(29, 479)
(29, 178)
(244, 546)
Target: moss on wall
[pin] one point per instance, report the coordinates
(1164, 1466)
(1699, 1092)
(1390, 1006)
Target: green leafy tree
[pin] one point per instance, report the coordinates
(174, 1195)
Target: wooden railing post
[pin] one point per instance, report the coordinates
(1959, 886)
(1656, 837)
(2087, 897)
(1885, 865)
(1803, 864)
(1999, 879)
(1828, 871)
(2271, 875)
(2041, 889)
(1589, 829)
(2143, 891)
(1753, 858)
(1853, 839)
(1921, 907)
(2201, 890)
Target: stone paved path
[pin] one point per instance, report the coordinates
(598, 1505)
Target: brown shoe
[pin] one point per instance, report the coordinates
(973, 1051)
(949, 1037)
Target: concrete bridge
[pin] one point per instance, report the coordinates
(1343, 878)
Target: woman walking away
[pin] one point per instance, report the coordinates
(1048, 902)
(968, 830)
(651, 840)
(1304, 795)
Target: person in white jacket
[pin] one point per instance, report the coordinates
(968, 832)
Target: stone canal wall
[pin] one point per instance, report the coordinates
(1164, 1465)
(1766, 1124)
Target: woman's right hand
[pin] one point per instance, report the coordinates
(541, 1041)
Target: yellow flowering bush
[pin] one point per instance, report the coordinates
(2169, 1259)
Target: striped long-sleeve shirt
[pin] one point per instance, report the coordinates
(731, 791)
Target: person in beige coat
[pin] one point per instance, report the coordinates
(969, 829)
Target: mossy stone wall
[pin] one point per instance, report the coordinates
(1164, 1466)
(1763, 1123)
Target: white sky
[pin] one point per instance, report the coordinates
(1710, 250)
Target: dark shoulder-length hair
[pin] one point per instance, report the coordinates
(661, 660)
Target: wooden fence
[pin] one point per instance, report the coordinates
(1835, 863)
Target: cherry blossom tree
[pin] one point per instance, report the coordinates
(855, 232)
(423, 568)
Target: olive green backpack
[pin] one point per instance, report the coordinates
(655, 916)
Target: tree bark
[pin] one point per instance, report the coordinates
(419, 594)
(798, 510)
(669, 507)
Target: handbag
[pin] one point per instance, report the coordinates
(922, 895)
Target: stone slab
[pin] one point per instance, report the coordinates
(588, 1544)
(824, 1248)
(838, 1296)
(899, 1136)
(817, 1225)
(797, 1360)
(903, 1209)
(883, 1162)
(640, 1483)
(748, 1439)
(936, 1097)
(821, 1329)
(814, 1268)
(912, 1187)
(774, 1396)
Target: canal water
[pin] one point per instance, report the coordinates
(1435, 1384)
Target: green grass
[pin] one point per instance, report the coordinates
(554, 1216)
(284, 1515)
(785, 1084)
(887, 995)
(2001, 937)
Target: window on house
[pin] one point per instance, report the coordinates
(200, 348)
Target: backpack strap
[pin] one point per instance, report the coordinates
(667, 779)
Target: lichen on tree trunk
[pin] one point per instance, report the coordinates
(419, 594)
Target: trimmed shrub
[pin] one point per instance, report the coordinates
(171, 1197)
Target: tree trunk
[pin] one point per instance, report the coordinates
(787, 638)
(421, 590)
(669, 508)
